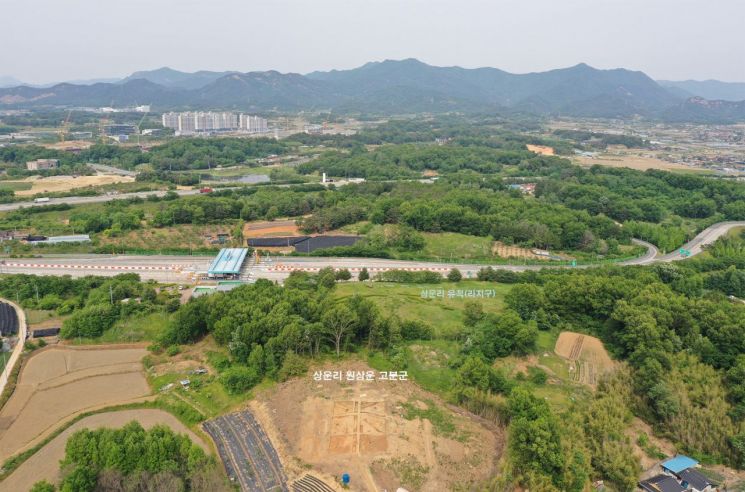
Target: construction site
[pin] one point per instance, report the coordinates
(371, 432)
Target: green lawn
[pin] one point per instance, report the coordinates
(444, 314)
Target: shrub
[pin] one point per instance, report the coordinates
(364, 275)
(293, 365)
(415, 330)
(239, 379)
(43, 486)
(537, 375)
(89, 322)
(454, 275)
(406, 277)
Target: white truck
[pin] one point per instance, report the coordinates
(41, 200)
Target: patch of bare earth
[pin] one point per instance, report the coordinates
(358, 427)
(286, 227)
(53, 184)
(541, 149)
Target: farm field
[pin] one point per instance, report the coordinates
(264, 228)
(43, 465)
(587, 354)
(444, 314)
(640, 163)
(58, 382)
(511, 251)
(385, 434)
(247, 454)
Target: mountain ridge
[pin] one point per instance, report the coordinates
(393, 86)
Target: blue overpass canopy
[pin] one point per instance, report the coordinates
(228, 262)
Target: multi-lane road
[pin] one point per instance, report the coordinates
(188, 269)
(82, 200)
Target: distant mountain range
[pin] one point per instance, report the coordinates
(708, 89)
(406, 86)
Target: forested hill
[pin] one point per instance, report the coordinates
(404, 86)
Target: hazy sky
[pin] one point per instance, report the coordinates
(51, 40)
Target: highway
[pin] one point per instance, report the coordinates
(703, 238)
(178, 269)
(188, 269)
(82, 200)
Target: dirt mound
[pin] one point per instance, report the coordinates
(587, 354)
(382, 433)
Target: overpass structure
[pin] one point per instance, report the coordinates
(227, 263)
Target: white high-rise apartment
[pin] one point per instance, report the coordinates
(170, 120)
(202, 121)
(253, 124)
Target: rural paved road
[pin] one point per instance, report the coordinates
(186, 269)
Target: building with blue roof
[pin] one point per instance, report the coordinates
(678, 464)
(227, 263)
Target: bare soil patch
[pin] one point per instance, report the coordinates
(52, 184)
(58, 382)
(273, 228)
(44, 465)
(541, 149)
(588, 354)
(360, 428)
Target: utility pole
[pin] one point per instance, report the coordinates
(111, 294)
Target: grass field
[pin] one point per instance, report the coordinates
(205, 393)
(405, 300)
(447, 245)
(15, 185)
(135, 329)
(183, 236)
